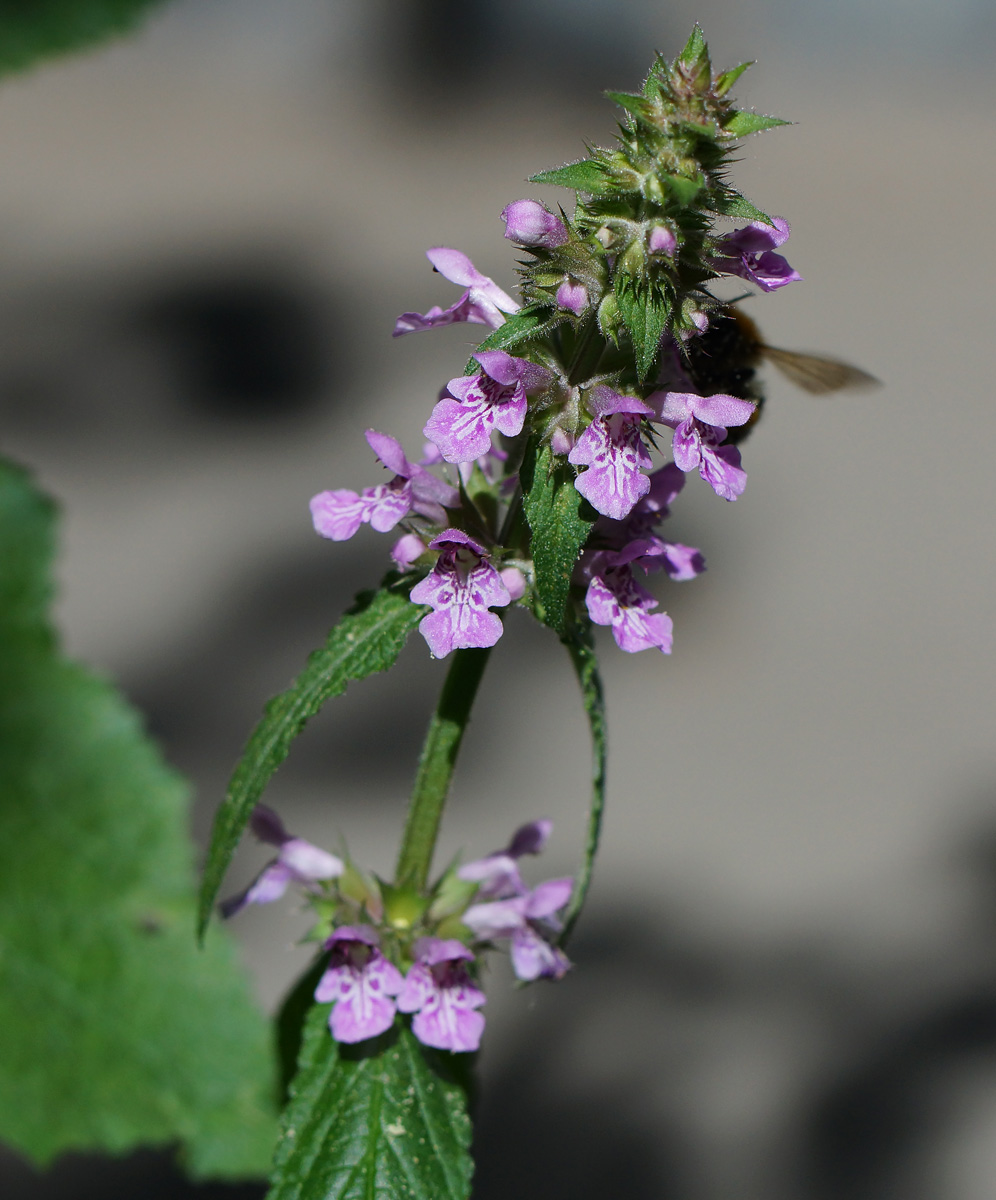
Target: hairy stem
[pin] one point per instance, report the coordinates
(435, 768)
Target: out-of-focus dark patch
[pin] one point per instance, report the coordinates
(245, 345)
(149, 1175)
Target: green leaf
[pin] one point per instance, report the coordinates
(115, 1030)
(586, 175)
(581, 647)
(727, 79)
(519, 327)
(386, 1118)
(732, 204)
(368, 639)
(743, 123)
(645, 314)
(560, 521)
(35, 29)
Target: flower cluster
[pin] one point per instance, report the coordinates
(392, 952)
(618, 341)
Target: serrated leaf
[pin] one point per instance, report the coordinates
(581, 647)
(368, 639)
(728, 78)
(385, 1119)
(43, 28)
(741, 124)
(586, 175)
(732, 204)
(645, 315)
(115, 1030)
(519, 327)
(560, 521)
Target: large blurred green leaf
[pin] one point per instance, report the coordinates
(36, 29)
(115, 1030)
(385, 1119)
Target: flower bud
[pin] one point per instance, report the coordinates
(573, 296)
(531, 224)
(661, 240)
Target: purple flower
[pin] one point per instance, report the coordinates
(297, 861)
(531, 224)
(495, 398)
(700, 424)
(615, 598)
(572, 296)
(438, 990)
(680, 562)
(461, 588)
(498, 874)
(338, 514)
(360, 982)
(614, 453)
(483, 303)
(406, 550)
(749, 253)
(530, 921)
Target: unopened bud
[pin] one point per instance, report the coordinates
(573, 296)
(661, 240)
(531, 224)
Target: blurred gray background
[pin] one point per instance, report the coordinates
(786, 976)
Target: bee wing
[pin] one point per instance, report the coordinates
(816, 375)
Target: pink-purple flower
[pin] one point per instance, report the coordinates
(361, 984)
(614, 598)
(483, 303)
(338, 514)
(532, 224)
(700, 424)
(439, 991)
(461, 588)
(750, 253)
(613, 451)
(297, 861)
(462, 422)
(530, 922)
(497, 874)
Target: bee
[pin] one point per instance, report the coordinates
(725, 359)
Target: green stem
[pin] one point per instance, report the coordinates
(435, 768)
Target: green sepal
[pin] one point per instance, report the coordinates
(560, 520)
(368, 639)
(655, 76)
(732, 204)
(682, 189)
(386, 1117)
(639, 106)
(404, 906)
(580, 645)
(645, 314)
(727, 79)
(741, 124)
(695, 47)
(585, 175)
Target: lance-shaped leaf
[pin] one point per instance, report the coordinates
(519, 327)
(581, 647)
(560, 521)
(368, 639)
(115, 1030)
(743, 123)
(586, 175)
(645, 314)
(384, 1119)
(732, 204)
